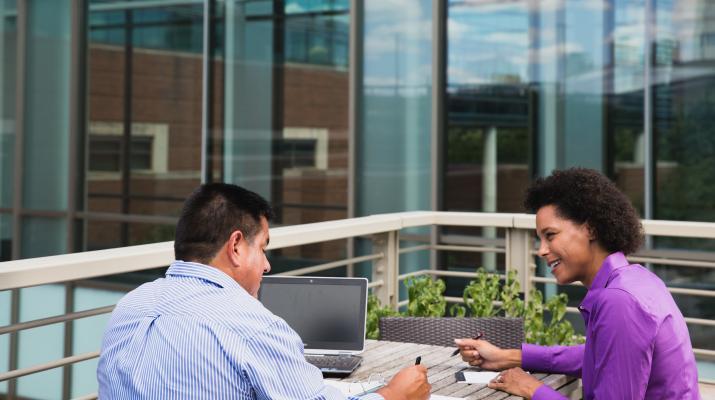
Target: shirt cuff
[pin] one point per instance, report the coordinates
(535, 357)
(544, 392)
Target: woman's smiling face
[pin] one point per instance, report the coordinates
(567, 247)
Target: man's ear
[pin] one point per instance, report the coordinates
(233, 247)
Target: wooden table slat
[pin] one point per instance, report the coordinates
(384, 359)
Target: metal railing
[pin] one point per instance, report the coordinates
(384, 233)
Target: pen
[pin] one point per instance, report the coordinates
(418, 360)
(479, 336)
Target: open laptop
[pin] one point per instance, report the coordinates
(329, 314)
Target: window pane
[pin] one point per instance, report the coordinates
(286, 98)
(145, 80)
(46, 122)
(8, 50)
(684, 135)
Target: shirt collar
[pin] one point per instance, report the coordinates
(610, 264)
(201, 271)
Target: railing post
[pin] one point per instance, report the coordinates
(518, 257)
(387, 268)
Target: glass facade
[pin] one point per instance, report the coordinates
(106, 129)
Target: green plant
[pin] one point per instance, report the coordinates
(375, 311)
(479, 296)
(512, 304)
(425, 297)
(557, 330)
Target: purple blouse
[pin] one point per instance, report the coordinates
(637, 343)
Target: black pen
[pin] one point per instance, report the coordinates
(479, 336)
(418, 360)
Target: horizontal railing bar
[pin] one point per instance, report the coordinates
(692, 292)
(699, 321)
(330, 265)
(56, 319)
(48, 365)
(415, 248)
(411, 274)
(670, 261)
(69, 267)
(457, 274)
(471, 249)
(91, 396)
(439, 272)
(376, 283)
(453, 299)
(704, 352)
(542, 279)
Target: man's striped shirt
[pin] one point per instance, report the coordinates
(198, 334)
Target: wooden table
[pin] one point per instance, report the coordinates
(384, 359)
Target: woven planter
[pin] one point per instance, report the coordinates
(507, 333)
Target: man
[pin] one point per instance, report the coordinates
(200, 332)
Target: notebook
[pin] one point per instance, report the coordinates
(329, 314)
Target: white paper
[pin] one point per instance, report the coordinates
(353, 388)
(438, 397)
(480, 377)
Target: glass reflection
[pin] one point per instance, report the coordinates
(144, 101)
(683, 86)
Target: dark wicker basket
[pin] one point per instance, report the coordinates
(507, 333)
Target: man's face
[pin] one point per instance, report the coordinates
(252, 260)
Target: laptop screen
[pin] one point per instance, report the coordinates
(327, 313)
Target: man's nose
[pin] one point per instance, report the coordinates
(267, 268)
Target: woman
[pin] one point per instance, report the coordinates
(637, 344)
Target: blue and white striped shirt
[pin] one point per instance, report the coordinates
(198, 334)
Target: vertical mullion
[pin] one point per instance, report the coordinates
(278, 71)
(437, 132)
(68, 339)
(77, 124)
(207, 93)
(354, 111)
(127, 134)
(17, 180)
(648, 202)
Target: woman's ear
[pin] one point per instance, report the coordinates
(591, 232)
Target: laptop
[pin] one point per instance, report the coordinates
(329, 314)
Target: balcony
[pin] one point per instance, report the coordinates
(392, 247)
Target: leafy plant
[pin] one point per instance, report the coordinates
(479, 296)
(374, 312)
(425, 298)
(557, 330)
(512, 304)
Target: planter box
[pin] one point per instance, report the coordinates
(507, 333)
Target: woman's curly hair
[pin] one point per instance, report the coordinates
(585, 196)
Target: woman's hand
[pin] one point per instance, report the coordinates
(480, 353)
(517, 382)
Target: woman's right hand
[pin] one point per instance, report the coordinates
(480, 353)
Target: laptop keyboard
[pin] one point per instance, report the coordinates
(335, 363)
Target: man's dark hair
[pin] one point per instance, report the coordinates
(211, 214)
(585, 196)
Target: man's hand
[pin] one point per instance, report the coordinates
(517, 382)
(480, 353)
(408, 384)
